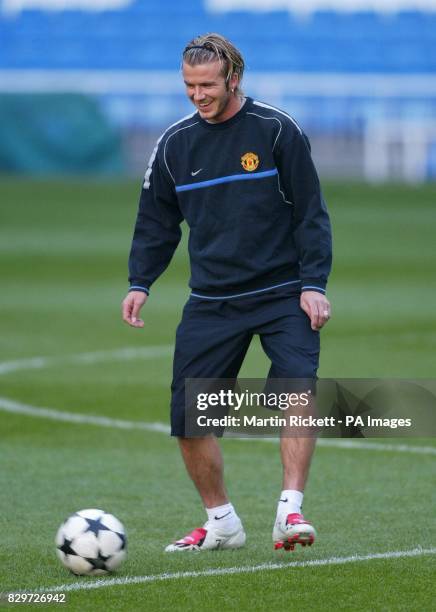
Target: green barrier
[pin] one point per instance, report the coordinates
(49, 134)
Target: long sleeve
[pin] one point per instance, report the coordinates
(312, 231)
(157, 230)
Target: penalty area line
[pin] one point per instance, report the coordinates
(11, 406)
(247, 569)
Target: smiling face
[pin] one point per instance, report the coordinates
(207, 90)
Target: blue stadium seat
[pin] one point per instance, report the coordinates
(151, 35)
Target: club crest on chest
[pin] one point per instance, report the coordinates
(250, 161)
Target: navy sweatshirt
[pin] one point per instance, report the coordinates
(250, 194)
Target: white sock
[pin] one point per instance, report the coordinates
(290, 502)
(224, 516)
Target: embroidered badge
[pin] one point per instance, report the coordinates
(250, 161)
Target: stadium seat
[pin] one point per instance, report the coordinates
(143, 36)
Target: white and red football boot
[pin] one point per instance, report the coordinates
(292, 529)
(209, 537)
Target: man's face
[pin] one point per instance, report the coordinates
(206, 88)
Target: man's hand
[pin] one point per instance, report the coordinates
(132, 304)
(317, 307)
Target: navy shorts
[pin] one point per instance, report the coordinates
(213, 338)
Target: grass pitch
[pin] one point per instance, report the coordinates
(63, 268)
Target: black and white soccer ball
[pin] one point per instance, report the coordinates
(91, 543)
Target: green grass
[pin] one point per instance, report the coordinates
(63, 251)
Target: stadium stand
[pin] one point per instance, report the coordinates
(142, 36)
(289, 49)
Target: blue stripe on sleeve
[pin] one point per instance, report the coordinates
(139, 288)
(306, 287)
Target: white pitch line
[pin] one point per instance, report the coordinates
(8, 405)
(150, 352)
(379, 446)
(122, 354)
(245, 569)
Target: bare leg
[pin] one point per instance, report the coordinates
(297, 444)
(204, 463)
(296, 456)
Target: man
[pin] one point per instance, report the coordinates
(240, 173)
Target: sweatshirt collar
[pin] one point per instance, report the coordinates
(222, 125)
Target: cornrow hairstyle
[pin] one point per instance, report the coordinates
(212, 47)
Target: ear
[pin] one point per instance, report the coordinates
(234, 82)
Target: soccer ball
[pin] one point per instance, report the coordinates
(91, 543)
